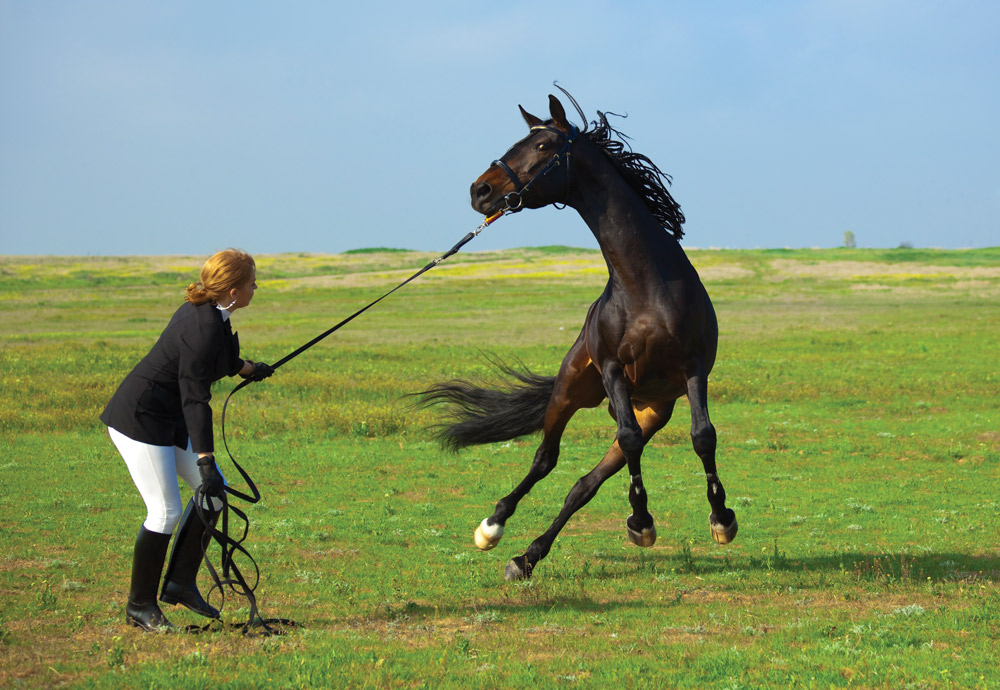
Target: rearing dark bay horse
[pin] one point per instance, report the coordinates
(649, 339)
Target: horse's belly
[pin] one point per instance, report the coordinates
(657, 390)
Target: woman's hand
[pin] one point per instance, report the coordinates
(261, 371)
(256, 371)
(212, 483)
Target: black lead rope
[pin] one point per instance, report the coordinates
(231, 576)
(291, 355)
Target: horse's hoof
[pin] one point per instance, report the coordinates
(517, 571)
(487, 536)
(644, 537)
(723, 534)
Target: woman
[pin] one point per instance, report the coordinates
(161, 422)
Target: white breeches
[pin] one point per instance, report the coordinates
(154, 470)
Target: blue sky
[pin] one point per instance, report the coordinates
(137, 127)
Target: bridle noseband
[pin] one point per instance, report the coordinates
(513, 200)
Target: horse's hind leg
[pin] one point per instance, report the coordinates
(578, 385)
(650, 420)
(722, 520)
(521, 567)
(490, 530)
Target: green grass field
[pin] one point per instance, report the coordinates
(855, 398)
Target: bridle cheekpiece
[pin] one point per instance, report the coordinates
(513, 200)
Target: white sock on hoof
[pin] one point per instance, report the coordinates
(487, 535)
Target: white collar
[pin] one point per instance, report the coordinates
(225, 312)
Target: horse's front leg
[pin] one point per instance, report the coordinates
(639, 526)
(722, 520)
(651, 419)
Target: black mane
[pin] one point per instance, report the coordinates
(642, 175)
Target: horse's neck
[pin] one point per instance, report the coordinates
(635, 245)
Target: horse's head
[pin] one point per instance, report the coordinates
(534, 172)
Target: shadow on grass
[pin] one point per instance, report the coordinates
(465, 614)
(898, 565)
(566, 589)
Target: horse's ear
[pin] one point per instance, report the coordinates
(558, 113)
(529, 118)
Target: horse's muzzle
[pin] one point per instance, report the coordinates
(481, 193)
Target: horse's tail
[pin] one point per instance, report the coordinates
(485, 415)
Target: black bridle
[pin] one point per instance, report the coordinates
(514, 201)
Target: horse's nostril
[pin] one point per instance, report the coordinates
(483, 190)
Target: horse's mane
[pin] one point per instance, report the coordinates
(641, 174)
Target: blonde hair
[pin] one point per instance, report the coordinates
(221, 273)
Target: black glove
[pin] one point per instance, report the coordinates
(212, 483)
(260, 371)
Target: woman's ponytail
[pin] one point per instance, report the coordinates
(196, 294)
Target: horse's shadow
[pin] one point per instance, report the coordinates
(569, 590)
(898, 565)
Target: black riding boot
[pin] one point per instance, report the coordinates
(180, 583)
(147, 564)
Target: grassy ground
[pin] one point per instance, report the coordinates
(855, 398)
